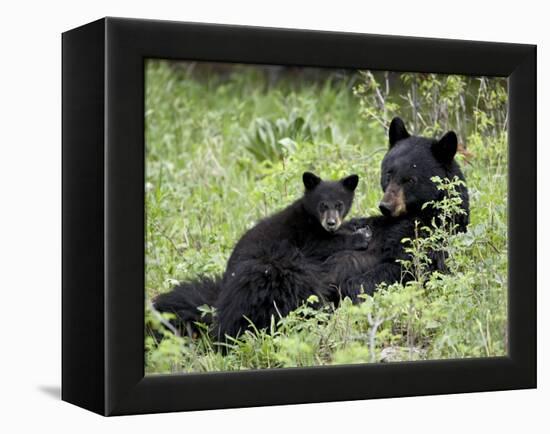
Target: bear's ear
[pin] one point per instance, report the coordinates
(310, 180)
(350, 182)
(445, 149)
(397, 131)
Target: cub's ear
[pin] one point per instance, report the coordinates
(397, 131)
(310, 180)
(445, 149)
(350, 182)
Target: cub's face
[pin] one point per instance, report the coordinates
(329, 201)
(408, 167)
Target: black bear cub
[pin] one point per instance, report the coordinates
(277, 264)
(406, 180)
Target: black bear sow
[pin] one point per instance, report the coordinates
(406, 179)
(277, 264)
(407, 170)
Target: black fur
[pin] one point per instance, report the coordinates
(407, 169)
(185, 299)
(276, 265)
(270, 281)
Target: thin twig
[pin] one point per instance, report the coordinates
(163, 234)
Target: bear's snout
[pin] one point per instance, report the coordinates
(331, 221)
(393, 203)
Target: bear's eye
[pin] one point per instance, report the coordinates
(323, 206)
(410, 180)
(339, 206)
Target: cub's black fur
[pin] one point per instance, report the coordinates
(276, 265)
(407, 169)
(185, 299)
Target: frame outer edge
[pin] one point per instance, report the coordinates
(127, 392)
(82, 217)
(124, 229)
(522, 310)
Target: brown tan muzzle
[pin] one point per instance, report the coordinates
(393, 203)
(330, 220)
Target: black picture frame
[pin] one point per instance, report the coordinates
(103, 216)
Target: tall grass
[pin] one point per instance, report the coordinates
(226, 146)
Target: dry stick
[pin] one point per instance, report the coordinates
(220, 168)
(435, 105)
(372, 154)
(476, 108)
(378, 119)
(372, 334)
(410, 338)
(421, 118)
(458, 126)
(386, 76)
(414, 105)
(381, 99)
(409, 99)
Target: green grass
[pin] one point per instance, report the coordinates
(224, 149)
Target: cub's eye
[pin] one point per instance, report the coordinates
(339, 206)
(410, 180)
(323, 206)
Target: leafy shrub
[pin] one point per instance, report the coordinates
(435, 103)
(266, 139)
